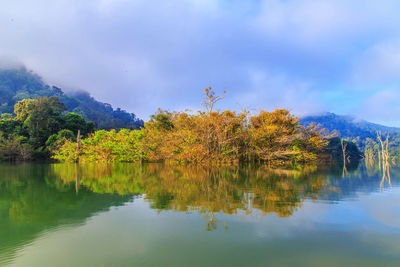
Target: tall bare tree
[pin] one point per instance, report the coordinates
(384, 162)
(211, 99)
(345, 157)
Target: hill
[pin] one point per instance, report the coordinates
(348, 126)
(361, 132)
(19, 83)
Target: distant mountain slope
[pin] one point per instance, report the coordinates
(18, 84)
(349, 127)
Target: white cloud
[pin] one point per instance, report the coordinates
(309, 21)
(270, 91)
(382, 107)
(314, 22)
(379, 65)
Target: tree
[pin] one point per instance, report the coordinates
(13, 149)
(211, 99)
(75, 122)
(10, 127)
(41, 116)
(273, 135)
(55, 141)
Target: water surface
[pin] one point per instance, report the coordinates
(160, 215)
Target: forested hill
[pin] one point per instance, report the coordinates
(350, 128)
(347, 126)
(17, 84)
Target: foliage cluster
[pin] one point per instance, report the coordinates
(39, 126)
(205, 137)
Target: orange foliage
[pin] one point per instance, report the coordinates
(212, 137)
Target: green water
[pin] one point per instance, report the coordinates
(160, 215)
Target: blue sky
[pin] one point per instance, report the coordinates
(308, 56)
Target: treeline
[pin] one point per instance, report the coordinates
(18, 84)
(205, 137)
(38, 127)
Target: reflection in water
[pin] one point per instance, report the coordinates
(33, 199)
(386, 176)
(189, 188)
(38, 197)
(383, 167)
(77, 180)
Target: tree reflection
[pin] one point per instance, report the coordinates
(205, 190)
(33, 198)
(386, 176)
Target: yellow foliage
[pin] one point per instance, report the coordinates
(212, 137)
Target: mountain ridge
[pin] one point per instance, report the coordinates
(343, 123)
(19, 83)
(350, 128)
(351, 119)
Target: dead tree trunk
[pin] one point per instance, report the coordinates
(384, 163)
(78, 145)
(344, 146)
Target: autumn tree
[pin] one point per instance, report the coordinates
(273, 135)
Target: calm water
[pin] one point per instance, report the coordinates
(156, 215)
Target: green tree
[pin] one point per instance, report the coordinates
(41, 117)
(75, 122)
(13, 148)
(55, 141)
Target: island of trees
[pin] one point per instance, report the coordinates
(210, 137)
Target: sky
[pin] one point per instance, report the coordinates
(309, 56)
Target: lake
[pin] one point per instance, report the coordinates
(163, 215)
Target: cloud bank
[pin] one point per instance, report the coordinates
(307, 56)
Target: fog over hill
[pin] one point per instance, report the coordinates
(349, 127)
(17, 83)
